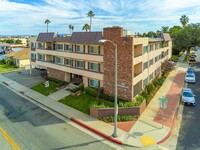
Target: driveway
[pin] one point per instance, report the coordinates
(23, 77)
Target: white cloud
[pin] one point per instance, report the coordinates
(139, 16)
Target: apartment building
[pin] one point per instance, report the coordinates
(82, 58)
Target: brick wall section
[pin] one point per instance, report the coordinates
(105, 112)
(124, 47)
(57, 74)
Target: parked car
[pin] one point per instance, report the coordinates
(193, 54)
(188, 97)
(190, 78)
(190, 71)
(192, 59)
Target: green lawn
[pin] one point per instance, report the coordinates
(40, 88)
(6, 68)
(83, 102)
(175, 57)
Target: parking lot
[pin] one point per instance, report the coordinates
(23, 77)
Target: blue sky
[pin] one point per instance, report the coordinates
(19, 17)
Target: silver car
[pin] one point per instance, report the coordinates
(188, 96)
(190, 78)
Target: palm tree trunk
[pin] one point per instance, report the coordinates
(47, 27)
(90, 23)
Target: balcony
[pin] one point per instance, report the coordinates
(33, 60)
(72, 55)
(33, 48)
(137, 78)
(137, 69)
(69, 69)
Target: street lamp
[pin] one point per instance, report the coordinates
(116, 105)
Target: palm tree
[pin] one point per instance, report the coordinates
(184, 20)
(70, 28)
(47, 21)
(86, 27)
(165, 29)
(91, 15)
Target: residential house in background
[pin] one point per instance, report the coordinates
(81, 58)
(20, 58)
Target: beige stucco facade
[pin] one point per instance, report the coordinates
(139, 61)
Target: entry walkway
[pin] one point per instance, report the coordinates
(147, 126)
(62, 93)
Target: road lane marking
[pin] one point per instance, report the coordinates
(9, 139)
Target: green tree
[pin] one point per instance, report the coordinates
(184, 20)
(72, 27)
(158, 33)
(91, 15)
(165, 29)
(47, 21)
(86, 27)
(18, 41)
(151, 34)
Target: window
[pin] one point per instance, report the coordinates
(94, 66)
(68, 62)
(79, 64)
(41, 57)
(137, 88)
(145, 65)
(151, 48)
(145, 82)
(33, 56)
(68, 47)
(79, 49)
(151, 62)
(40, 46)
(151, 76)
(145, 49)
(59, 47)
(59, 60)
(32, 45)
(93, 49)
(93, 83)
(156, 58)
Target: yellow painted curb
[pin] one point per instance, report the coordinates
(10, 140)
(147, 140)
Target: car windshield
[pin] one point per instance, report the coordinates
(190, 71)
(188, 94)
(190, 75)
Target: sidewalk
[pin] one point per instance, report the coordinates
(148, 125)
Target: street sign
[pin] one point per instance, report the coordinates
(162, 105)
(163, 99)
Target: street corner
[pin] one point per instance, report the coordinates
(147, 140)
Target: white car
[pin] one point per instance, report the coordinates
(188, 97)
(190, 78)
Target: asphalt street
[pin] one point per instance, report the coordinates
(34, 128)
(189, 135)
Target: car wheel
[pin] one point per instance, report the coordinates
(194, 104)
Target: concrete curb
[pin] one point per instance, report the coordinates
(96, 131)
(171, 128)
(173, 123)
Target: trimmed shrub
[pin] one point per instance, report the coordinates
(120, 118)
(12, 63)
(150, 87)
(3, 61)
(102, 105)
(59, 83)
(80, 88)
(91, 91)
